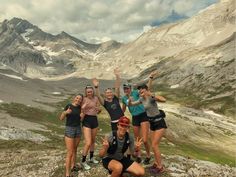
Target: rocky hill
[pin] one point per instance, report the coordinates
(210, 27)
(54, 55)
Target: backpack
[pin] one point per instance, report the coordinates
(113, 146)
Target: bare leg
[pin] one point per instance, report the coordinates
(136, 130)
(94, 133)
(76, 143)
(156, 138)
(70, 151)
(145, 133)
(116, 167)
(136, 169)
(87, 139)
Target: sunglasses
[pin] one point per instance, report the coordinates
(124, 126)
(88, 86)
(126, 88)
(126, 85)
(108, 89)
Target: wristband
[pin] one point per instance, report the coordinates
(151, 77)
(95, 86)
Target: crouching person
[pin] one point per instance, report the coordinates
(114, 147)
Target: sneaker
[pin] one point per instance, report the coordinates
(76, 168)
(147, 160)
(138, 160)
(93, 160)
(152, 167)
(85, 166)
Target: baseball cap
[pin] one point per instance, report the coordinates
(126, 86)
(124, 121)
(143, 86)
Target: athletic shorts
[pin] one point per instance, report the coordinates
(157, 124)
(126, 163)
(90, 121)
(138, 119)
(73, 132)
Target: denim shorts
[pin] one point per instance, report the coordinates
(73, 132)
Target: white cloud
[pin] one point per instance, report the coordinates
(147, 28)
(98, 40)
(121, 20)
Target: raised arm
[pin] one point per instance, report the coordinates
(151, 77)
(98, 109)
(117, 83)
(96, 86)
(160, 98)
(123, 107)
(147, 80)
(157, 98)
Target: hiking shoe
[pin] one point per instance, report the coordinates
(85, 166)
(153, 167)
(76, 168)
(147, 160)
(138, 160)
(93, 160)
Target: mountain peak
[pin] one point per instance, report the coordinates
(16, 21)
(21, 24)
(63, 34)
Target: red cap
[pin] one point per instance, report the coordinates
(124, 121)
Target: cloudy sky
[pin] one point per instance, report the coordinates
(100, 20)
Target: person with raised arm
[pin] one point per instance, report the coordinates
(111, 101)
(90, 108)
(157, 122)
(140, 120)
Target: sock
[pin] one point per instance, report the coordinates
(84, 158)
(91, 154)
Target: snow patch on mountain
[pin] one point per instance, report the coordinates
(174, 86)
(47, 50)
(13, 76)
(24, 35)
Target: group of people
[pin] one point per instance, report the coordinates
(119, 146)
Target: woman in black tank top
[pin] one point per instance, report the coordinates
(72, 113)
(111, 100)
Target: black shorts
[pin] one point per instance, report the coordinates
(157, 125)
(90, 121)
(138, 119)
(126, 162)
